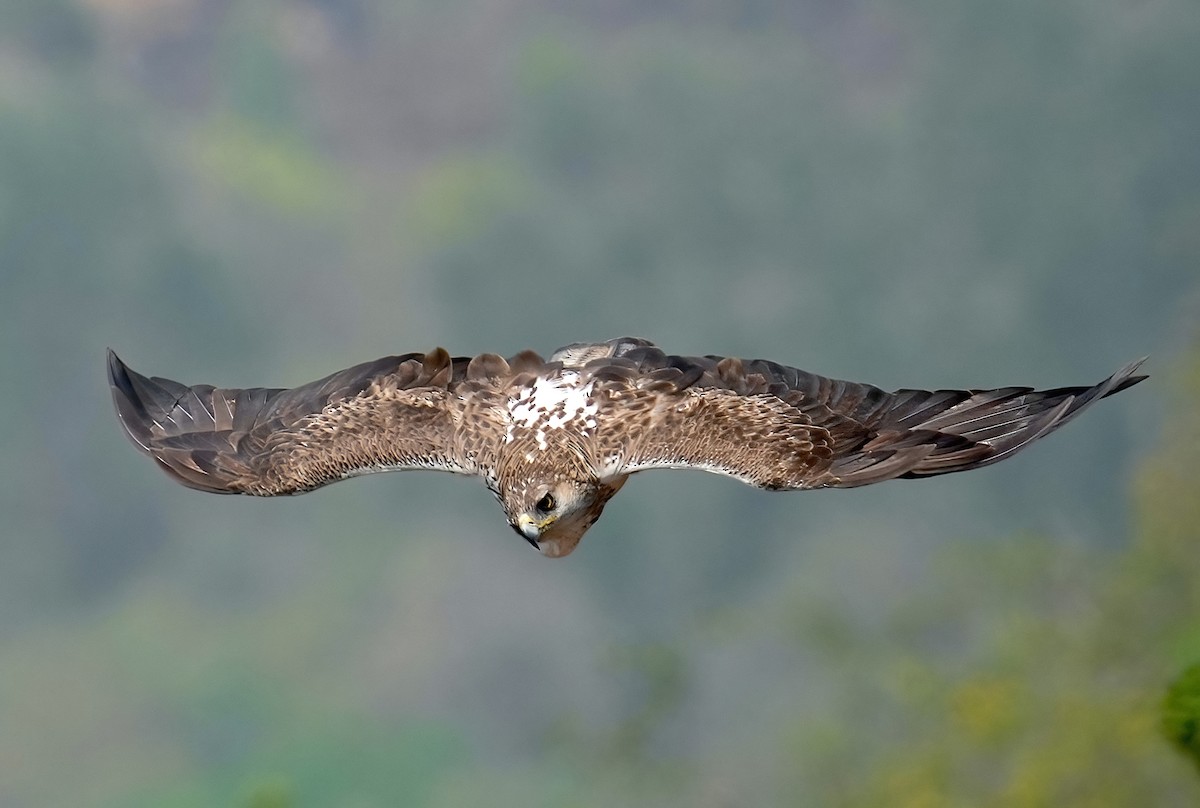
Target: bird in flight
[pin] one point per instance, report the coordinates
(554, 439)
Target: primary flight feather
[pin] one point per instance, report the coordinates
(554, 439)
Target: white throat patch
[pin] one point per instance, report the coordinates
(550, 404)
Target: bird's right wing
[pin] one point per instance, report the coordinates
(388, 415)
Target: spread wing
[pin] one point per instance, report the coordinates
(783, 428)
(391, 414)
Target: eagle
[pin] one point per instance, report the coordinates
(554, 439)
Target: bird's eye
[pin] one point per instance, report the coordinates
(546, 503)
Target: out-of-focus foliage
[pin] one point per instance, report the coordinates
(266, 166)
(1045, 686)
(1181, 713)
(946, 193)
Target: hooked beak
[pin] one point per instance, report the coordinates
(529, 529)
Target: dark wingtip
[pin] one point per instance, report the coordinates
(1124, 378)
(124, 394)
(118, 372)
(130, 408)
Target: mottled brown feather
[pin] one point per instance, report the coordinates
(876, 435)
(385, 414)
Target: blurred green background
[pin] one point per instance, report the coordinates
(939, 194)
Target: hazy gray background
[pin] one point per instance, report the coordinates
(947, 193)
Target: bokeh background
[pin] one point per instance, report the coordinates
(941, 193)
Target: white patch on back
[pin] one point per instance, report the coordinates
(551, 404)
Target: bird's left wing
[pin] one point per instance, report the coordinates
(663, 418)
(782, 428)
(392, 414)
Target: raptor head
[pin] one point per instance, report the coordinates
(553, 515)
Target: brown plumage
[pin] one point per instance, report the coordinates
(555, 439)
